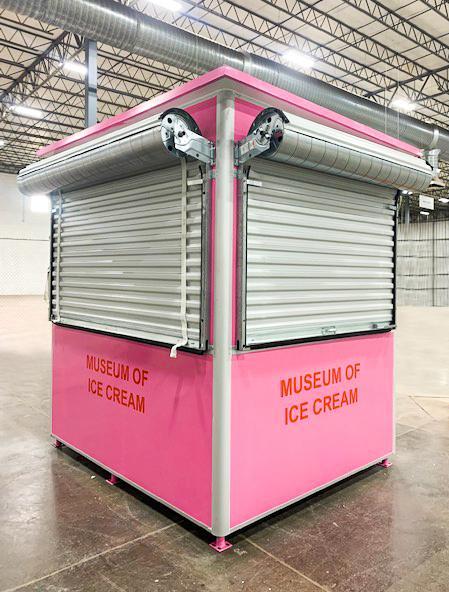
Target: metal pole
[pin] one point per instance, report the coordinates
(433, 263)
(406, 209)
(90, 88)
(222, 342)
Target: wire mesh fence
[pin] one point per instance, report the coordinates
(423, 264)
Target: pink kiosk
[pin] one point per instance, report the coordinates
(222, 295)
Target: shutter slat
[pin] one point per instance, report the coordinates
(119, 266)
(319, 255)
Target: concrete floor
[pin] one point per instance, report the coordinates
(62, 528)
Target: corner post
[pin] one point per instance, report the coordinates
(222, 346)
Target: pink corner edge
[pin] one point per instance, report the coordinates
(133, 114)
(227, 72)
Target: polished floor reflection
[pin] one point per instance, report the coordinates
(63, 528)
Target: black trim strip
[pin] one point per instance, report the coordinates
(129, 338)
(50, 287)
(395, 243)
(303, 340)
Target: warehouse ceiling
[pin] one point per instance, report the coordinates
(383, 50)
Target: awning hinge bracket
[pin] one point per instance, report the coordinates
(182, 137)
(264, 136)
(248, 148)
(196, 146)
(431, 157)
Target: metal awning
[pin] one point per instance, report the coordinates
(296, 141)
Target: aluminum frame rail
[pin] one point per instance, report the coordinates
(293, 140)
(138, 148)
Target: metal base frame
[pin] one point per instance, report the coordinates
(382, 461)
(385, 463)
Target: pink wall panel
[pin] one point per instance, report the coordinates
(160, 436)
(245, 114)
(204, 114)
(276, 458)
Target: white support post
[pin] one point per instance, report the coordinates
(221, 424)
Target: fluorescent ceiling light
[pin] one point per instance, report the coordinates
(40, 203)
(76, 67)
(403, 105)
(296, 58)
(423, 213)
(27, 111)
(168, 4)
(444, 199)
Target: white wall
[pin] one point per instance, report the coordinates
(24, 242)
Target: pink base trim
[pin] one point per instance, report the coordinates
(220, 544)
(386, 464)
(113, 480)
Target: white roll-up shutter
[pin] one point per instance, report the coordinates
(318, 258)
(118, 253)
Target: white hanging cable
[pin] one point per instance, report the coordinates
(183, 310)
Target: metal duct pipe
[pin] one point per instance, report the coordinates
(125, 28)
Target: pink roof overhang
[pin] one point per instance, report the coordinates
(246, 85)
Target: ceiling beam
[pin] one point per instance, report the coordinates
(249, 20)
